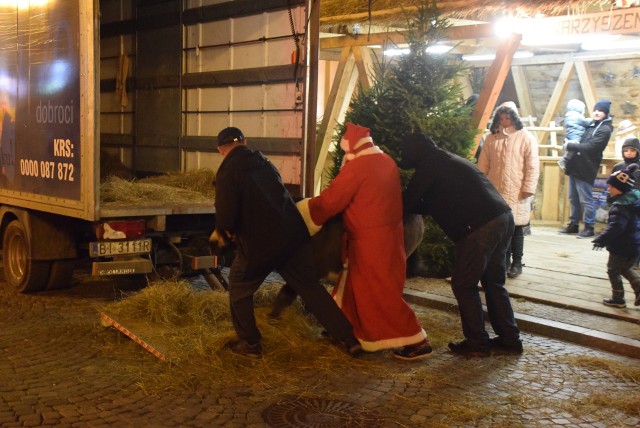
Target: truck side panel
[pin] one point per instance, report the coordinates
(41, 107)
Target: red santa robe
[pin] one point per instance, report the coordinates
(368, 193)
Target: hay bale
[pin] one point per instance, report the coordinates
(199, 180)
(176, 189)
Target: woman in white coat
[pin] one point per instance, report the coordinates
(509, 158)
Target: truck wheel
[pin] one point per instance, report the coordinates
(61, 274)
(22, 273)
(167, 260)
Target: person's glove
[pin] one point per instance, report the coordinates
(597, 246)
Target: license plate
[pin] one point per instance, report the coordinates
(114, 248)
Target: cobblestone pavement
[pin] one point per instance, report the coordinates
(61, 368)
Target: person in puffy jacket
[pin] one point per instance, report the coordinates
(582, 169)
(575, 124)
(255, 211)
(510, 161)
(621, 237)
(469, 209)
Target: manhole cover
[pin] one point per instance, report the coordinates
(318, 413)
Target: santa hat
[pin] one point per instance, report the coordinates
(624, 180)
(355, 139)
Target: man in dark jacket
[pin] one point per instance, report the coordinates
(582, 169)
(256, 212)
(472, 213)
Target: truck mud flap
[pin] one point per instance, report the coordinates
(122, 267)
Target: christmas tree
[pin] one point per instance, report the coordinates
(416, 92)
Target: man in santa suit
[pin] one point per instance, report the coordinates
(368, 193)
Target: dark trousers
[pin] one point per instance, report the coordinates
(299, 274)
(618, 267)
(480, 258)
(516, 247)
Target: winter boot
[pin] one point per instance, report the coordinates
(587, 232)
(517, 250)
(571, 228)
(515, 270)
(636, 290)
(616, 300)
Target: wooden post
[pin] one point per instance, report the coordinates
(339, 98)
(363, 61)
(553, 139)
(519, 74)
(556, 98)
(493, 85)
(586, 83)
(311, 100)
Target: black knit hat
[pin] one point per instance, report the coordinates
(603, 106)
(230, 135)
(625, 179)
(632, 142)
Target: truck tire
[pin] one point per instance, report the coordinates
(167, 259)
(20, 272)
(61, 274)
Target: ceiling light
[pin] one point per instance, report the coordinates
(532, 39)
(433, 49)
(596, 45)
(439, 49)
(490, 57)
(396, 52)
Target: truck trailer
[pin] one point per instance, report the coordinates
(149, 83)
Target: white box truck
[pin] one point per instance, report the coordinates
(150, 82)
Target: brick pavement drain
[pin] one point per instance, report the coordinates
(316, 412)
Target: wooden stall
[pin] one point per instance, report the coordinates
(560, 66)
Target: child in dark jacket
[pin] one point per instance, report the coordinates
(621, 237)
(630, 152)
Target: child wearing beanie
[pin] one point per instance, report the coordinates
(621, 236)
(630, 152)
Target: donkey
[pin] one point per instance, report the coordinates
(327, 253)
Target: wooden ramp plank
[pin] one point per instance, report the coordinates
(140, 333)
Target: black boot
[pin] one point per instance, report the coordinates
(616, 300)
(514, 270)
(587, 232)
(517, 250)
(571, 228)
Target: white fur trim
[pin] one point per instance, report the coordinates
(303, 207)
(370, 151)
(396, 342)
(361, 141)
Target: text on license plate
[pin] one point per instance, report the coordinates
(107, 248)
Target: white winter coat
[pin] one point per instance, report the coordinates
(510, 160)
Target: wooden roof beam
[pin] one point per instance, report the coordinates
(562, 85)
(462, 32)
(493, 84)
